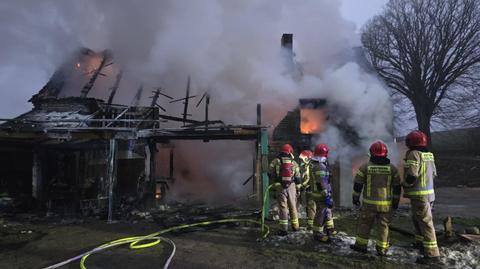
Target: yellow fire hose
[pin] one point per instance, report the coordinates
(155, 238)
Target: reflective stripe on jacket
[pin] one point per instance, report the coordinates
(422, 166)
(378, 182)
(319, 176)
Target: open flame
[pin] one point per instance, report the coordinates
(312, 121)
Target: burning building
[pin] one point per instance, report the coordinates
(74, 152)
(319, 120)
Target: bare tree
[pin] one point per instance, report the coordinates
(425, 50)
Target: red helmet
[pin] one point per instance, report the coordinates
(287, 149)
(306, 154)
(416, 139)
(321, 150)
(378, 149)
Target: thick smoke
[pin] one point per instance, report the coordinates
(229, 48)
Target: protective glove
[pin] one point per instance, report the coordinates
(329, 201)
(409, 179)
(298, 187)
(286, 184)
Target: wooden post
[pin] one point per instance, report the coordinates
(38, 180)
(207, 103)
(257, 185)
(153, 154)
(171, 164)
(112, 173)
(153, 171)
(259, 114)
(265, 180)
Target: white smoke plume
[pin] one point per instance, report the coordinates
(230, 48)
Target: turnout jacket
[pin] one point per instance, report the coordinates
(378, 182)
(419, 171)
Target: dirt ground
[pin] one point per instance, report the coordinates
(41, 243)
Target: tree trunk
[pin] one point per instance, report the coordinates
(423, 120)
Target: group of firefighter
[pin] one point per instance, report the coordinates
(377, 189)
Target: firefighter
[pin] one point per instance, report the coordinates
(303, 188)
(418, 187)
(284, 170)
(379, 183)
(321, 193)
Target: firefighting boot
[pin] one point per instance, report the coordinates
(358, 249)
(310, 225)
(382, 253)
(431, 261)
(418, 246)
(321, 237)
(331, 232)
(282, 233)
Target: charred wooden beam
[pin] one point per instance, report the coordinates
(88, 87)
(187, 97)
(112, 174)
(173, 118)
(138, 96)
(115, 87)
(259, 114)
(207, 103)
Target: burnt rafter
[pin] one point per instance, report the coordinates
(185, 101)
(156, 95)
(138, 96)
(114, 89)
(96, 72)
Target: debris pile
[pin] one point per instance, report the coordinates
(178, 214)
(462, 255)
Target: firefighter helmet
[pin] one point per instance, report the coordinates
(306, 154)
(378, 149)
(287, 148)
(321, 150)
(416, 139)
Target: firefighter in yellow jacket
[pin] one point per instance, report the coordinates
(285, 171)
(321, 193)
(418, 187)
(379, 184)
(305, 187)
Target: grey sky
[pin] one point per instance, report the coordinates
(359, 11)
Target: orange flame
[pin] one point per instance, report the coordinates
(312, 121)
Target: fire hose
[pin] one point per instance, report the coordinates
(155, 238)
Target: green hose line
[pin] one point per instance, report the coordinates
(265, 196)
(134, 241)
(155, 238)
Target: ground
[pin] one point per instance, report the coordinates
(37, 243)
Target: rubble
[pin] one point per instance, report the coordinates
(472, 230)
(465, 256)
(458, 255)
